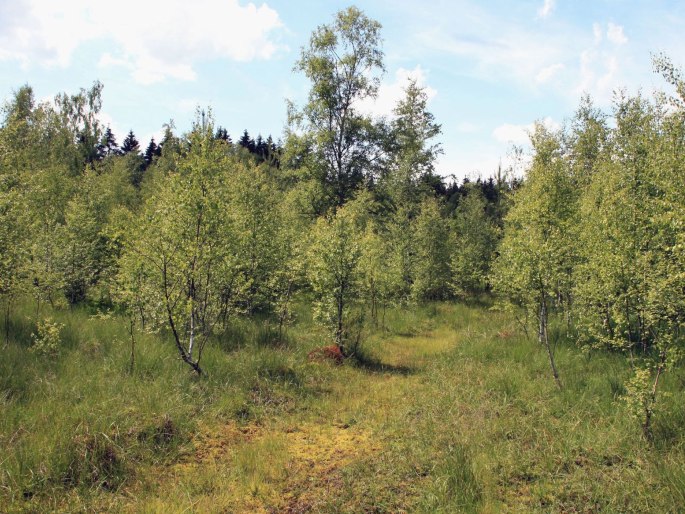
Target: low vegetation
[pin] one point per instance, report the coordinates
(428, 419)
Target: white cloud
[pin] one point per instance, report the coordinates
(497, 49)
(108, 60)
(546, 74)
(546, 9)
(389, 94)
(481, 160)
(615, 34)
(599, 74)
(154, 40)
(601, 66)
(520, 134)
(591, 58)
(508, 133)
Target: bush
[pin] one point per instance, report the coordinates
(47, 341)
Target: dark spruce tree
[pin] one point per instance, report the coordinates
(247, 142)
(222, 134)
(130, 144)
(136, 163)
(109, 143)
(151, 152)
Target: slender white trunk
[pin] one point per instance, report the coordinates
(192, 334)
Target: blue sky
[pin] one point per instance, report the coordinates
(491, 68)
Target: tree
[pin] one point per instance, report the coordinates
(17, 138)
(630, 285)
(431, 272)
(109, 143)
(89, 248)
(151, 152)
(377, 278)
(130, 150)
(222, 133)
(402, 251)
(536, 256)
(130, 143)
(11, 246)
(475, 239)
(79, 115)
(178, 255)
(256, 224)
(342, 61)
(335, 274)
(412, 156)
(587, 141)
(247, 142)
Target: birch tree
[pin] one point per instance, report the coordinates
(536, 255)
(335, 274)
(431, 273)
(179, 254)
(343, 61)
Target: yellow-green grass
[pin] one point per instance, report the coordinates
(448, 409)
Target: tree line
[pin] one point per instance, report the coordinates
(595, 235)
(349, 213)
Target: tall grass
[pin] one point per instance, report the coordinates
(450, 409)
(80, 419)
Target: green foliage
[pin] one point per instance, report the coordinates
(204, 241)
(177, 261)
(342, 61)
(536, 256)
(260, 243)
(335, 273)
(431, 272)
(475, 238)
(47, 340)
(596, 231)
(411, 155)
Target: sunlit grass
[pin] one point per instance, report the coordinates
(449, 409)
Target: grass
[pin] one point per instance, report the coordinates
(448, 409)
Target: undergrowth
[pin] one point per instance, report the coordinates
(446, 408)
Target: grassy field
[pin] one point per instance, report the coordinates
(449, 410)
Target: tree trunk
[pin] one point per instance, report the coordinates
(649, 404)
(542, 320)
(133, 346)
(177, 340)
(191, 342)
(7, 322)
(339, 328)
(544, 335)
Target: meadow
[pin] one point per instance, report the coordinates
(447, 408)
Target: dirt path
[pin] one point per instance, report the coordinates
(293, 463)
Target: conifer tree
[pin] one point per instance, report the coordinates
(130, 144)
(151, 152)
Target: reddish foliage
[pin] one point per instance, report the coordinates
(327, 353)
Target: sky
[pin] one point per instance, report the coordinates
(490, 68)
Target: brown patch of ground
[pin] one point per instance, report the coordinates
(326, 353)
(215, 443)
(294, 470)
(317, 454)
